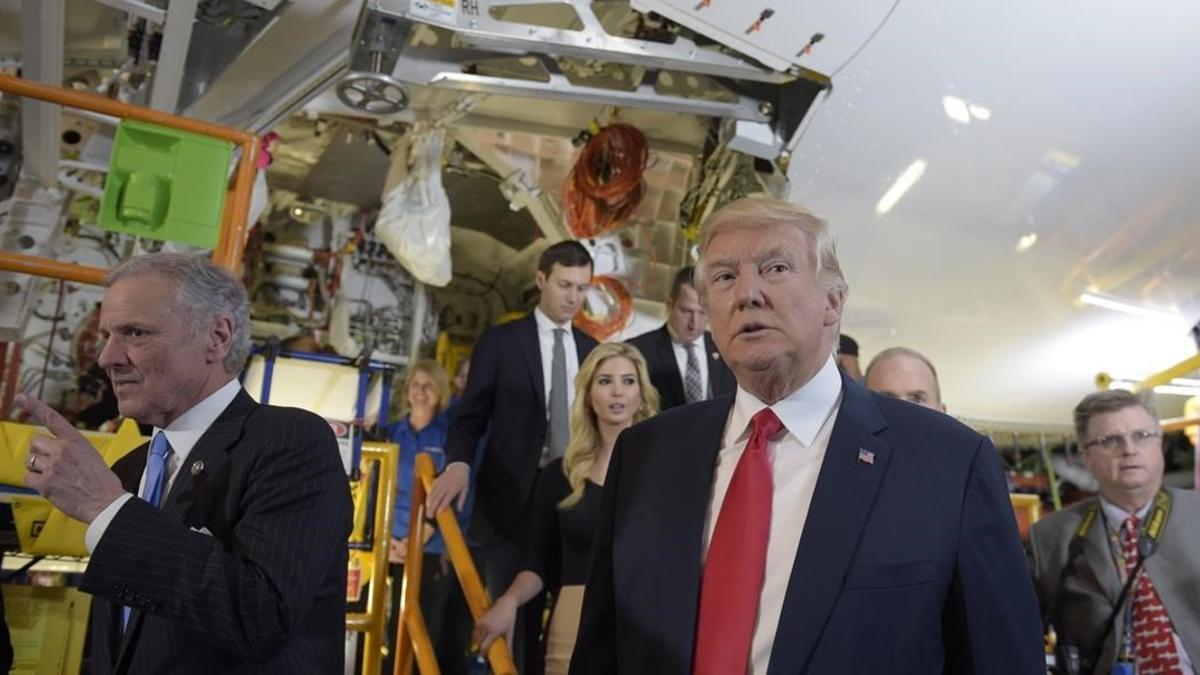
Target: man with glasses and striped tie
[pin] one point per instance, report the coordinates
(1116, 574)
(220, 546)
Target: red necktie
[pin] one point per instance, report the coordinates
(1152, 639)
(737, 559)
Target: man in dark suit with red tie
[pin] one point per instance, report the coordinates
(681, 356)
(804, 524)
(220, 546)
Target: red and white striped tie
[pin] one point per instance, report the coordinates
(1153, 641)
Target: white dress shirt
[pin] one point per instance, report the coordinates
(681, 360)
(1114, 517)
(182, 434)
(545, 329)
(807, 415)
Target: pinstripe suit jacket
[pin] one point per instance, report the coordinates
(265, 591)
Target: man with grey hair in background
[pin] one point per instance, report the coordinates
(1136, 535)
(905, 374)
(802, 524)
(219, 546)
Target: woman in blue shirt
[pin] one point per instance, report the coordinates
(425, 394)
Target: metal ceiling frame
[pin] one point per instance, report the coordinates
(384, 45)
(43, 26)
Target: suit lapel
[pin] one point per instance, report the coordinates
(584, 344)
(684, 514)
(213, 450)
(209, 454)
(666, 356)
(1099, 557)
(841, 503)
(527, 344)
(716, 369)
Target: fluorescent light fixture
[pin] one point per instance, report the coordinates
(902, 185)
(1177, 390)
(979, 112)
(1175, 387)
(1097, 300)
(956, 109)
(1026, 242)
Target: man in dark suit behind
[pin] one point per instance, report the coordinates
(684, 363)
(803, 525)
(221, 545)
(521, 382)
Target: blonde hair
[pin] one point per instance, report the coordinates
(436, 372)
(580, 454)
(761, 212)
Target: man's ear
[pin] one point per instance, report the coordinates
(220, 338)
(835, 301)
(540, 280)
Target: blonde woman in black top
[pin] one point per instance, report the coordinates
(614, 392)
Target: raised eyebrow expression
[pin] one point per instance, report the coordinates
(767, 259)
(625, 379)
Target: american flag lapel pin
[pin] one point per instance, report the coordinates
(865, 456)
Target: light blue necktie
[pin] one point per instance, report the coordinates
(156, 478)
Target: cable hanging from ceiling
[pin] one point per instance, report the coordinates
(605, 185)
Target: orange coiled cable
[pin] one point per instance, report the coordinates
(605, 186)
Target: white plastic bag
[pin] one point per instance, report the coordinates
(414, 222)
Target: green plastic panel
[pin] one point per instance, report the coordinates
(166, 184)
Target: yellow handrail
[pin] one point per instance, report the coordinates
(373, 622)
(230, 241)
(1178, 423)
(411, 634)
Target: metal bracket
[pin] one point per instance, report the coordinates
(476, 25)
(168, 74)
(436, 45)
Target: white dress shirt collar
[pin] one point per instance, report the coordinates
(1116, 516)
(186, 430)
(802, 412)
(698, 342)
(545, 324)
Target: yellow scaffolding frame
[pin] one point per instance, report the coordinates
(373, 622)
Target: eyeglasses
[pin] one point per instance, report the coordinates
(1114, 442)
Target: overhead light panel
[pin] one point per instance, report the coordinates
(903, 184)
(1175, 387)
(1026, 242)
(979, 112)
(1177, 390)
(1105, 302)
(956, 109)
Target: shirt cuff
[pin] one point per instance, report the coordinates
(96, 530)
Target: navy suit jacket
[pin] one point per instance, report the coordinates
(505, 388)
(265, 592)
(910, 564)
(656, 347)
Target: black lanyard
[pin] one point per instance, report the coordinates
(1152, 529)
(1148, 541)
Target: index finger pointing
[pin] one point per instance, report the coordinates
(47, 417)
